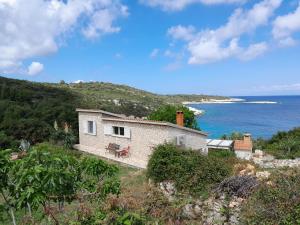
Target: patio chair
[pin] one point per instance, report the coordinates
(125, 152)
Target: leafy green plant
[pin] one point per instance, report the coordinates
(168, 114)
(284, 144)
(5, 167)
(190, 170)
(276, 201)
(49, 174)
(130, 219)
(220, 153)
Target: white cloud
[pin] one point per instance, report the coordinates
(35, 68)
(176, 5)
(34, 28)
(182, 33)
(208, 46)
(285, 26)
(154, 53)
(254, 50)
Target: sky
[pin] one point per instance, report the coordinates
(219, 47)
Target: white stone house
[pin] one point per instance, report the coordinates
(98, 129)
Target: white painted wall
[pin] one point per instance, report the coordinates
(243, 154)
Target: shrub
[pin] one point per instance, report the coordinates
(168, 113)
(275, 202)
(190, 170)
(284, 144)
(221, 153)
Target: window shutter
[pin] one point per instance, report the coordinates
(94, 128)
(107, 129)
(127, 132)
(85, 126)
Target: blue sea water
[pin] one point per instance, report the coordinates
(261, 120)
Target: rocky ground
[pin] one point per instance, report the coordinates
(269, 162)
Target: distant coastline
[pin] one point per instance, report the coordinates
(227, 101)
(214, 101)
(197, 112)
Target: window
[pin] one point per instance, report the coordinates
(91, 127)
(180, 140)
(118, 131)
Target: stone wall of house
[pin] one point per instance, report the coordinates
(243, 154)
(144, 137)
(192, 140)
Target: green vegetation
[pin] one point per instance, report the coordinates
(221, 153)
(233, 136)
(191, 171)
(168, 113)
(283, 145)
(28, 110)
(49, 175)
(276, 201)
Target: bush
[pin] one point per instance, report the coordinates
(275, 202)
(284, 144)
(168, 113)
(190, 170)
(7, 141)
(221, 153)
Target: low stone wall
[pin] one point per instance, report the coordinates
(266, 161)
(276, 163)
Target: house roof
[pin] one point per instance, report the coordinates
(121, 118)
(219, 143)
(100, 111)
(243, 145)
(151, 122)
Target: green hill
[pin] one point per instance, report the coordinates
(28, 109)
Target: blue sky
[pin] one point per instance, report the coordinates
(224, 47)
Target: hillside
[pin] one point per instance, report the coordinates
(29, 109)
(102, 94)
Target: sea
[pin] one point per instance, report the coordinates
(261, 116)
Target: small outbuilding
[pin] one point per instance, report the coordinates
(243, 148)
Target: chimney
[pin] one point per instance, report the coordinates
(179, 118)
(247, 138)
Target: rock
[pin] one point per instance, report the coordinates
(233, 204)
(263, 175)
(168, 189)
(247, 169)
(258, 153)
(192, 211)
(269, 162)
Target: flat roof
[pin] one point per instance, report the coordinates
(100, 111)
(151, 122)
(219, 143)
(121, 118)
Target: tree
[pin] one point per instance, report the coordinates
(233, 136)
(5, 166)
(47, 175)
(288, 144)
(41, 177)
(168, 114)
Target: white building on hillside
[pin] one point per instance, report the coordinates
(131, 141)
